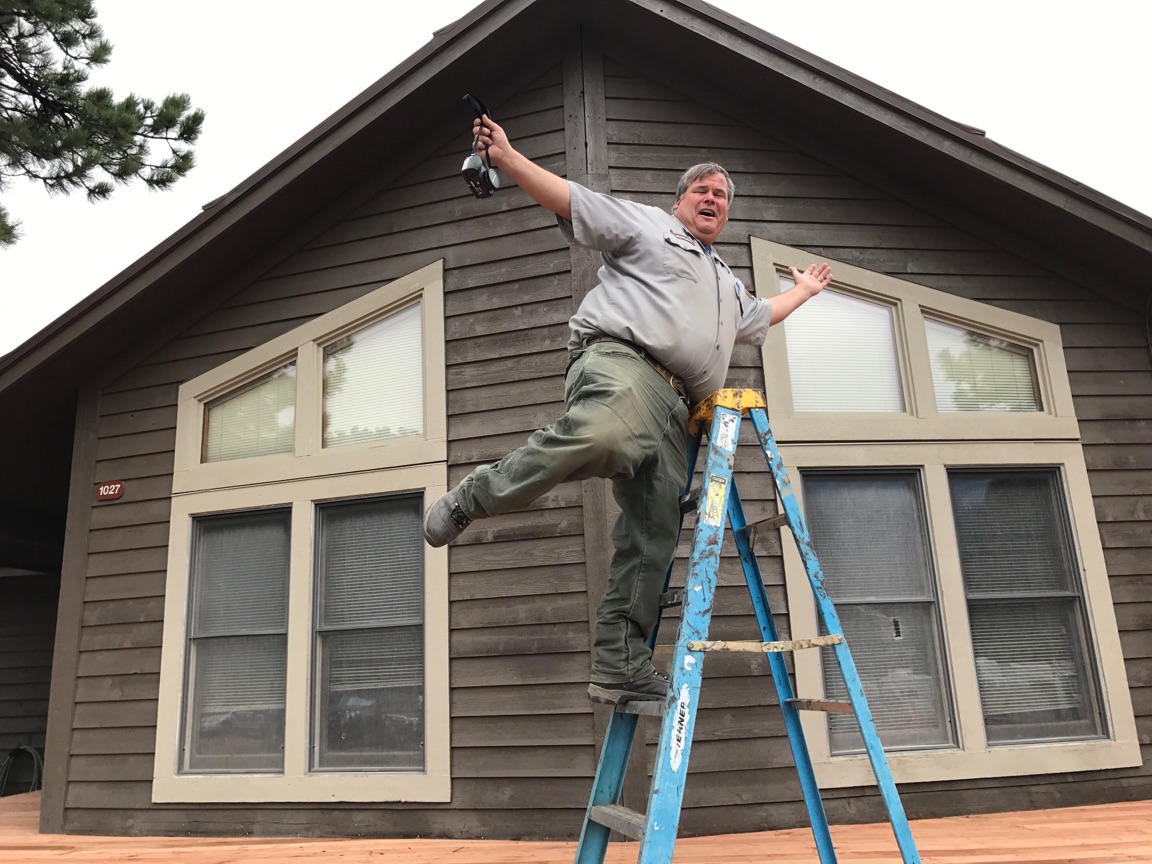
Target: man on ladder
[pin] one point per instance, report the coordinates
(654, 337)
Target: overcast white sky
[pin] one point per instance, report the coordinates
(1066, 84)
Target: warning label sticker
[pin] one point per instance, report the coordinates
(714, 507)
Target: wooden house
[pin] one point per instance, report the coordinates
(215, 466)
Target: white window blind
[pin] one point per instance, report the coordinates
(975, 372)
(237, 652)
(256, 420)
(842, 355)
(871, 531)
(374, 382)
(370, 635)
(1036, 674)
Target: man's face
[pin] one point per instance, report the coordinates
(704, 207)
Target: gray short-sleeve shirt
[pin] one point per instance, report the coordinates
(662, 289)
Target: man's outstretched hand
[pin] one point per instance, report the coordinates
(813, 280)
(806, 285)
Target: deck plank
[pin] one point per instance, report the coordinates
(1102, 834)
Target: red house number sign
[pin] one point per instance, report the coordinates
(109, 491)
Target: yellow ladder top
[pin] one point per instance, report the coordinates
(736, 400)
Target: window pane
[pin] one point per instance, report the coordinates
(1015, 535)
(842, 355)
(975, 372)
(236, 710)
(372, 699)
(372, 560)
(374, 382)
(240, 573)
(237, 651)
(896, 651)
(254, 421)
(1030, 661)
(870, 532)
(873, 543)
(1033, 661)
(370, 635)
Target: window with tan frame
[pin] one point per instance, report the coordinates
(305, 653)
(934, 449)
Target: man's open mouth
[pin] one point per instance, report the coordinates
(708, 212)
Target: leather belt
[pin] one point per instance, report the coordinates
(675, 380)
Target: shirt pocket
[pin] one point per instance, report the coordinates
(682, 257)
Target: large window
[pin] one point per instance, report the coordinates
(306, 621)
(936, 455)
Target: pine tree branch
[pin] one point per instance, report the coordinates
(67, 136)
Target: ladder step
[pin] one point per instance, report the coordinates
(627, 822)
(832, 706)
(671, 598)
(644, 707)
(766, 647)
(771, 523)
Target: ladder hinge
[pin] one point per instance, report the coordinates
(766, 647)
(671, 598)
(832, 706)
(627, 822)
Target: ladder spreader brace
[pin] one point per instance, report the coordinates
(720, 415)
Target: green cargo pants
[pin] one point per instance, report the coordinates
(622, 421)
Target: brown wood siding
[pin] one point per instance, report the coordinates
(523, 735)
(27, 633)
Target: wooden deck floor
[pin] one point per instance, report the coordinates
(1106, 834)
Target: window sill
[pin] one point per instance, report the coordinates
(1010, 761)
(434, 786)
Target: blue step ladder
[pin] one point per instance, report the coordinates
(720, 415)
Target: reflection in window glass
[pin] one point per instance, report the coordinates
(872, 535)
(975, 372)
(1025, 606)
(374, 382)
(370, 635)
(842, 355)
(238, 642)
(256, 420)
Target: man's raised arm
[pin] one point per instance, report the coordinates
(545, 188)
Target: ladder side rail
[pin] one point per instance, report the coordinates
(817, 818)
(831, 620)
(671, 767)
(607, 786)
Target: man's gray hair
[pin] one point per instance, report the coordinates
(704, 169)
